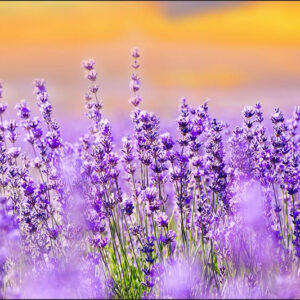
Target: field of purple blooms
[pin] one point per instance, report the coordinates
(203, 211)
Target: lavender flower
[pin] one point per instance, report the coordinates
(23, 109)
(206, 211)
(162, 219)
(135, 84)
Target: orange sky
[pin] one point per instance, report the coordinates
(233, 55)
(252, 23)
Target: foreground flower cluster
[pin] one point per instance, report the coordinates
(206, 211)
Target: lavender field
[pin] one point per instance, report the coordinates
(205, 210)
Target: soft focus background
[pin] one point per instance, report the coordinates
(234, 53)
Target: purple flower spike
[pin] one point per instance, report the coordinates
(162, 219)
(23, 109)
(3, 107)
(135, 52)
(88, 64)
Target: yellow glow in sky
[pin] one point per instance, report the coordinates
(258, 23)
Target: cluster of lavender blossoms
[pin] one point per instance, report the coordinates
(203, 211)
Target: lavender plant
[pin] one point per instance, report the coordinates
(203, 211)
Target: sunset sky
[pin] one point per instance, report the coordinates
(234, 53)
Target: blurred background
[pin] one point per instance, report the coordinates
(235, 53)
